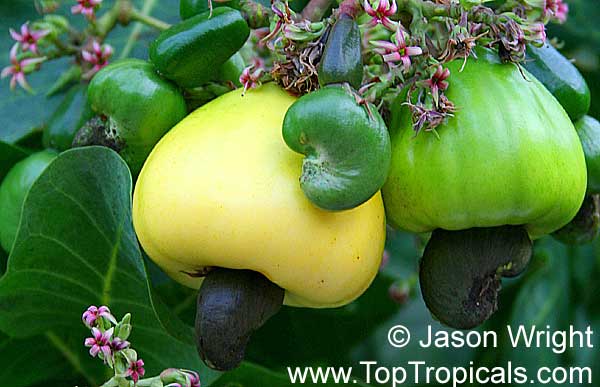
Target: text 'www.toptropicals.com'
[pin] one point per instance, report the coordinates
(415, 372)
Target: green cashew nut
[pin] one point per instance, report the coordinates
(139, 108)
(347, 148)
(13, 190)
(231, 70)
(191, 52)
(561, 78)
(588, 129)
(342, 57)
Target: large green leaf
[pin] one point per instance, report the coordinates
(21, 113)
(75, 247)
(19, 354)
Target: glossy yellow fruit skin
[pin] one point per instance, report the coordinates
(221, 189)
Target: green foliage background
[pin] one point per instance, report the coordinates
(77, 247)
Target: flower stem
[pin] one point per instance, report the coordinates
(148, 382)
(315, 9)
(148, 20)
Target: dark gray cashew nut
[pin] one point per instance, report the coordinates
(460, 272)
(231, 305)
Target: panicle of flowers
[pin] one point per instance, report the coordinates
(398, 50)
(98, 57)
(28, 38)
(109, 343)
(381, 13)
(19, 68)
(87, 8)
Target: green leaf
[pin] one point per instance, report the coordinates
(9, 156)
(19, 357)
(75, 247)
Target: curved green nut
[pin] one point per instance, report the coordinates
(561, 78)
(191, 52)
(347, 150)
(13, 190)
(342, 56)
(140, 106)
(588, 129)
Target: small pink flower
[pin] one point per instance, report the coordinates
(28, 38)
(93, 313)
(438, 82)
(118, 344)
(19, 68)
(398, 50)
(193, 378)
(557, 9)
(98, 57)
(100, 342)
(250, 77)
(535, 32)
(385, 259)
(135, 370)
(381, 14)
(86, 8)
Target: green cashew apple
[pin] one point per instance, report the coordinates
(508, 167)
(137, 107)
(509, 156)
